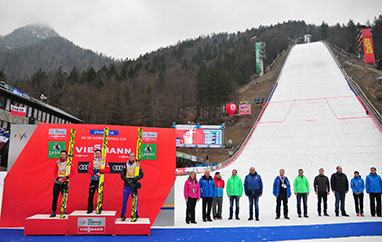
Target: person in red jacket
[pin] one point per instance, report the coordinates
(61, 173)
(94, 169)
(217, 203)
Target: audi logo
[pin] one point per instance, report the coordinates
(117, 167)
(83, 167)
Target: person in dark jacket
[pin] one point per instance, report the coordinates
(340, 186)
(322, 189)
(207, 193)
(281, 190)
(358, 185)
(374, 189)
(253, 187)
(131, 184)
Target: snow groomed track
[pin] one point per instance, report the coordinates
(313, 120)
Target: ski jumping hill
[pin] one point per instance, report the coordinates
(312, 120)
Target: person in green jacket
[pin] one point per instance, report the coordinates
(234, 192)
(301, 190)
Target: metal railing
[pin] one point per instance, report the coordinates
(356, 89)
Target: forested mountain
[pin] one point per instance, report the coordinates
(189, 81)
(35, 47)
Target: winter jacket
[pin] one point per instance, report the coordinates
(207, 187)
(357, 184)
(234, 186)
(131, 181)
(321, 184)
(301, 184)
(373, 183)
(219, 186)
(339, 182)
(276, 186)
(253, 184)
(191, 189)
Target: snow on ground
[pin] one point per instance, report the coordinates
(313, 120)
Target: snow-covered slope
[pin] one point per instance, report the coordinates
(313, 120)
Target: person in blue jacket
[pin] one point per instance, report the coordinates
(207, 193)
(253, 187)
(358, 185)
(281, 190)
(374, 189)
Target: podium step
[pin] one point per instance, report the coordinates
(140, 227)
(82, 223)
(42, 224)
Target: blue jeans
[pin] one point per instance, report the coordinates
(340, 197)
(236, 199)
(253, 199)
(127, 191)
(304, 200)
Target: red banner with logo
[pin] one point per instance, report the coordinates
(28, 186)
(18, 111)
(368, 48)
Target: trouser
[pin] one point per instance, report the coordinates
(358, 201)
(207, 205)
(57, 188)
(253, 199)
(217, 204)
(127, 192)
(284, 200)
(190, 212)
(93, 186)
(304, 198)
(322, 196)
(236, 200)
(375, 197)
(340, 198)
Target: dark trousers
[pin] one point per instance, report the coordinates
(358, 201)
(207, 205)
(375, 197)
(340, 198)
(253, 200)
(127, 192)
(217, 205)
(92, 188)
(190, 212)
(57, 188)
(284, 200)
(322, 196)
(304, 198)
(231, 200)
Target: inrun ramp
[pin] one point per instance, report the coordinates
(313, 120)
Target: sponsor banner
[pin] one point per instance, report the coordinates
(149, 137)
(151, 197)
(180, 171)
(245, 109)
(149, 152)
(18, 111)
(100, 132)
(115, 167)
(55, 147)
(91, 225)
(258, 57)
(57, 134)
(368, 49)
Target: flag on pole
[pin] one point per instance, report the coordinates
(253, 38)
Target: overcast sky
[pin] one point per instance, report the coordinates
(128, 28)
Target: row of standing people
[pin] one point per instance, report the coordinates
(211, 191)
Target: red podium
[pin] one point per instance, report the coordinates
(140, 227)
(81, 223)
(42, 224)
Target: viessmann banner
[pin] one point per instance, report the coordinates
(33, 169)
